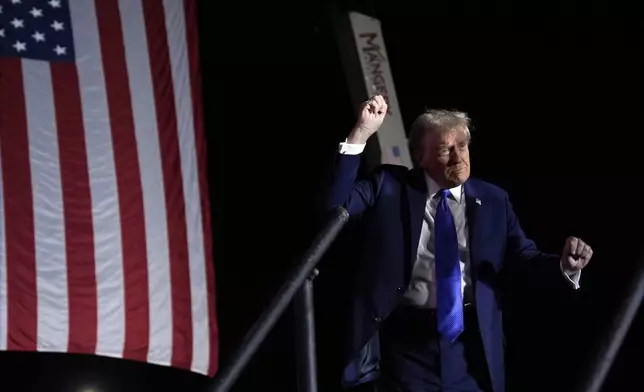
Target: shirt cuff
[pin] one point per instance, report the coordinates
(573, 277)
(351, 149)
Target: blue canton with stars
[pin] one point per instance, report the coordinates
(36, 29)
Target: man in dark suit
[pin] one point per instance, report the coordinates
(425, 312)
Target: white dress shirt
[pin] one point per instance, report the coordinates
(422, 287)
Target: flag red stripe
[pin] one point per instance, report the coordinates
(173, 184)
(77, 203)
(22, 302)
(190, 11)
(128, 177)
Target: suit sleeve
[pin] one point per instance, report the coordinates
(525, 251)
(519, 245)
(344, 189)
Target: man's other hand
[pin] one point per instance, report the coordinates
(576, 255)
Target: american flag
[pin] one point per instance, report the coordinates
(105, 241)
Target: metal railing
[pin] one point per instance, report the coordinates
(300, 283)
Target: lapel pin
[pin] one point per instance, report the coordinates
(478, 201)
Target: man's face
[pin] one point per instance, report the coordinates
(446, 157)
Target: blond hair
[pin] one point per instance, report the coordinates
(435, 120)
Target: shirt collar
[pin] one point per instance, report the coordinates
(433, 188)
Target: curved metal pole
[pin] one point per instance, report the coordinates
(609, 348)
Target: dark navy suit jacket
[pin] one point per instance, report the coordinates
(392, 204)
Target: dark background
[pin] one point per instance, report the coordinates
(555, 93)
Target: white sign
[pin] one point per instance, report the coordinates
(378, 80)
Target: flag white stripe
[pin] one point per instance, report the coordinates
(3, 271)
(147, 136)
(49, 219)
(102, 179)
(180, 66)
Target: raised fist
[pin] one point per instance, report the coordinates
(372, 114)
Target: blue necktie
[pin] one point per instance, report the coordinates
(448, 272)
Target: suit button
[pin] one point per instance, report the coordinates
(377, 319)
(400, 289)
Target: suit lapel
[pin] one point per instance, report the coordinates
(473, 204)
(416, 201)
